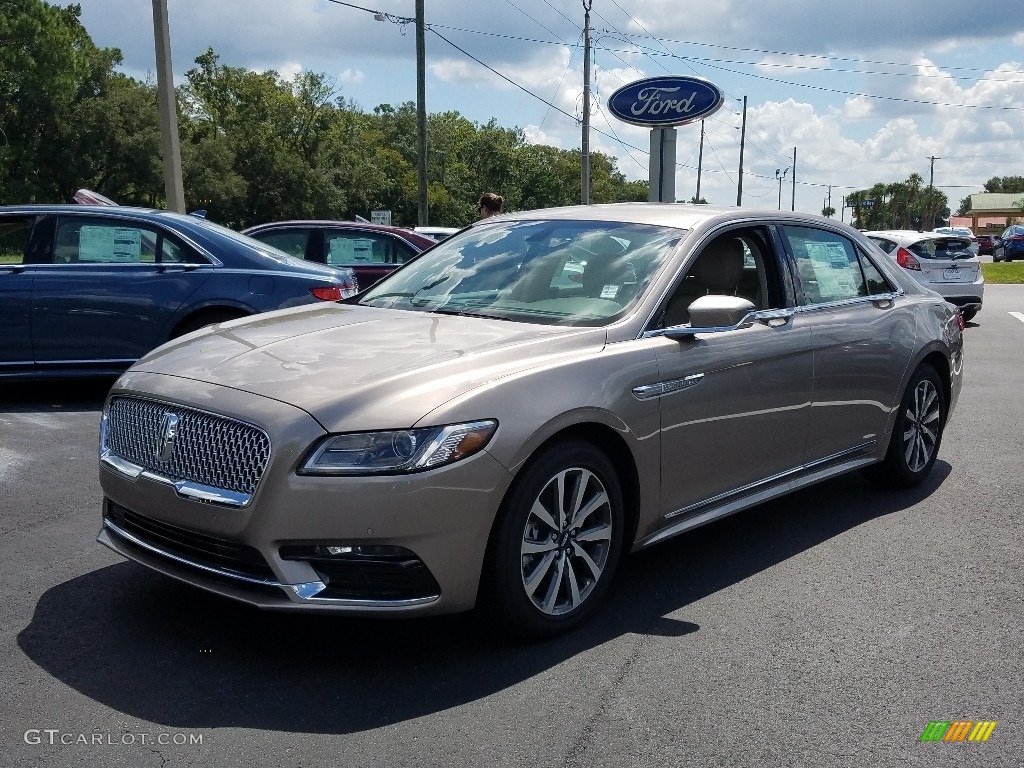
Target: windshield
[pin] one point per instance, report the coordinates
(576, 273)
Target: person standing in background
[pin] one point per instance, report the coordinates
(490, 205)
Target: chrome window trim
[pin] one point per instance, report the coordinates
(853, 300)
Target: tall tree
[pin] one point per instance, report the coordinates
(51, 76)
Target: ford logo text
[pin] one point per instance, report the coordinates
(666, 101)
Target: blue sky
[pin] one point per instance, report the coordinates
(867, 92)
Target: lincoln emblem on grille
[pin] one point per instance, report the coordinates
(168, 433)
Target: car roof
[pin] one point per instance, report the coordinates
(677, 215)
(408, 234)
(910, 234)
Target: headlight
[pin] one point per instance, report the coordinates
(396, 451)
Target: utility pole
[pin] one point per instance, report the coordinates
(585, 147)
(931, 174)
(743, 137)
(792, 206)
(421, 114)
(700, 161)
(173, 187)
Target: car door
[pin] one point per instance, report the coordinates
(16, 276)
(109, 289)
(734, 403)
(863, 337)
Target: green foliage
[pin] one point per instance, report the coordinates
(1008, 184)
(1005, 184)
(58, 99)
(900, 205)
(255, 146)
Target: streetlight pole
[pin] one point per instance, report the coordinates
(780, 176)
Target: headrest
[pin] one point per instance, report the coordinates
(720, 265)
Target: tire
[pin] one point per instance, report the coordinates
(916, 433)
(203, 319)
(547, 569)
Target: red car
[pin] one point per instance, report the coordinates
(986, 244)
(370, 250)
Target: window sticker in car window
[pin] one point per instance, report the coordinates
(832, 269)
(109, 244)
(344, 250)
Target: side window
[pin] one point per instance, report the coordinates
(403, 251)
(357, 247)
(876, 282)
(886, 245)
(174, 253)
(291, 241)
(103, 241)
(827, 265)
(737, 263)
(14, 236)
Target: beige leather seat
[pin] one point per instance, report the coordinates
(717, 271)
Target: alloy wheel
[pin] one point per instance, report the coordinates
(566, 541)
(921, 426)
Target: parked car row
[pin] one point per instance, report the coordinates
(371, 251)
(87, 290)
(947, 264)
(494, 424)
(1010, 244)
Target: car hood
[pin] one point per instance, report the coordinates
(355, 367)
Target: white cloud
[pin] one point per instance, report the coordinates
(351, 76)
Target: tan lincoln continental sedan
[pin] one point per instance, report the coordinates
(496, 423)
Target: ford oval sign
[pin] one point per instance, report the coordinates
(666, 101)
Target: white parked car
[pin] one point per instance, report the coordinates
(436, 233)
(962, 232)
(948, 264)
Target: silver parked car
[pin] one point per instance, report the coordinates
(947, 264)
(497, 422)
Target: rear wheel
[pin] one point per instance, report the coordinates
(555, 543)
(917, 433)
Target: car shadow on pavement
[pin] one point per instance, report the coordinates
(68, 395)
(167, 653)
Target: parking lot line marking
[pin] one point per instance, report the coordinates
(1018, 315)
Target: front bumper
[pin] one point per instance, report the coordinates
(403, 544)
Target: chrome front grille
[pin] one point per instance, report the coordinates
(208, 450)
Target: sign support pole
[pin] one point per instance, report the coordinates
(662, 184)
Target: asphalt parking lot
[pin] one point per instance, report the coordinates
(826, 629)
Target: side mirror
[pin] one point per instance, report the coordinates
(719, 312)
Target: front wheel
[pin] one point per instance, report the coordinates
(555, 543)
(916, 434)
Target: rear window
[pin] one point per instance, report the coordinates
(942, 248)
